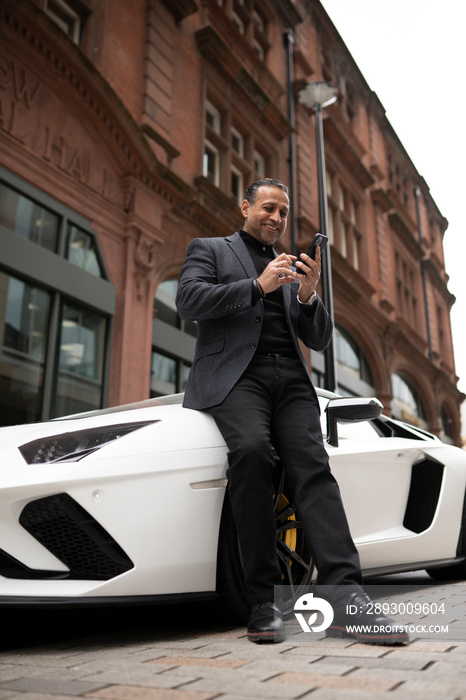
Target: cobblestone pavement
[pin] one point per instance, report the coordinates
(191, 652)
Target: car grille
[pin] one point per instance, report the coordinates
(71, 534)
(424, 492)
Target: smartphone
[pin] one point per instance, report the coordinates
(320, 240)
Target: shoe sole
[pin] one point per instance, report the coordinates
(389, 640)
(265, 637)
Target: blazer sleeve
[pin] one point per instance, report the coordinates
(315, 325)
(200, 294)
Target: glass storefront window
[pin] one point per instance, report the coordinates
(165, 307)
(33, 221)
(81, 361)
(82, 251)
(173, 343)
(24, 320)
(54, 320)
(163, 375)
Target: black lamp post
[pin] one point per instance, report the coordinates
(317, 95)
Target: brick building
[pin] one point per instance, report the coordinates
(128, 128)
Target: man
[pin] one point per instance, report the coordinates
(251, 306)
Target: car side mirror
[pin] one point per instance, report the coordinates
(349, 410)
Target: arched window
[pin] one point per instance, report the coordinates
(446, 426)
(406, 403)
(353, 372)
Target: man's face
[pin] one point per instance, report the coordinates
(266, 218)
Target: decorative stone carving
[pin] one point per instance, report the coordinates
(144, 263)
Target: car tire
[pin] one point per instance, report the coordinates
(457, 572)
(292, 550)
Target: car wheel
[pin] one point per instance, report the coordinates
(293, 553)
(457, 572)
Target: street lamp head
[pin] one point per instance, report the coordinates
(318, 94)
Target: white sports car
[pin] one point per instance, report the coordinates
(128, 504)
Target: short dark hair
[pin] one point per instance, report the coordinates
(251, 193)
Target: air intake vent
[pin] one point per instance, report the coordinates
(424, 492)
(72, 535)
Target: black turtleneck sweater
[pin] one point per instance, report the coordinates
(275, 334)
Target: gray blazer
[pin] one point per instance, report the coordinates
(215, 290)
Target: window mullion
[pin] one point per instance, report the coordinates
(50, 363)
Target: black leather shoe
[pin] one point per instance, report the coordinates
(266, 624)
(365, 625)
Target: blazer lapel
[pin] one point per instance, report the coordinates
(239, 247)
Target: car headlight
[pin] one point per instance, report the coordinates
(73, 446)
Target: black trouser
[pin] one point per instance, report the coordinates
(273, 404)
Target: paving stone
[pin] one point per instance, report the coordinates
(127, 692)
(149, 678)
(10, 695)
(52, 685)
(447, 669)
(244, 687)
(345, 694)
(40, 660)
(319, 680)
(425, 657)
(350, 651)
(431, 646)
(9, 672)
(222, 662)
(441, 686)
(366, 662)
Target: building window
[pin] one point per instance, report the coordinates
(81, 360)
(83, 251)
(259, 49)
(173, 344)
(442, 336)
(259, 21)
(24, 322)
(65, 17)
(406, 284)
(354, 374)
(343, 220)
(56, 305)
(237, 142)
(211, 169)
(406, 404)
(29, 219)
(233, 155)
(213, 118)
(169, 375)
(259, 164)
(447, 427)
(237, 186)
(238, 22)
(251, 21)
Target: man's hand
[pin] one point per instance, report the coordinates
(277, 273)
(310, 279)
